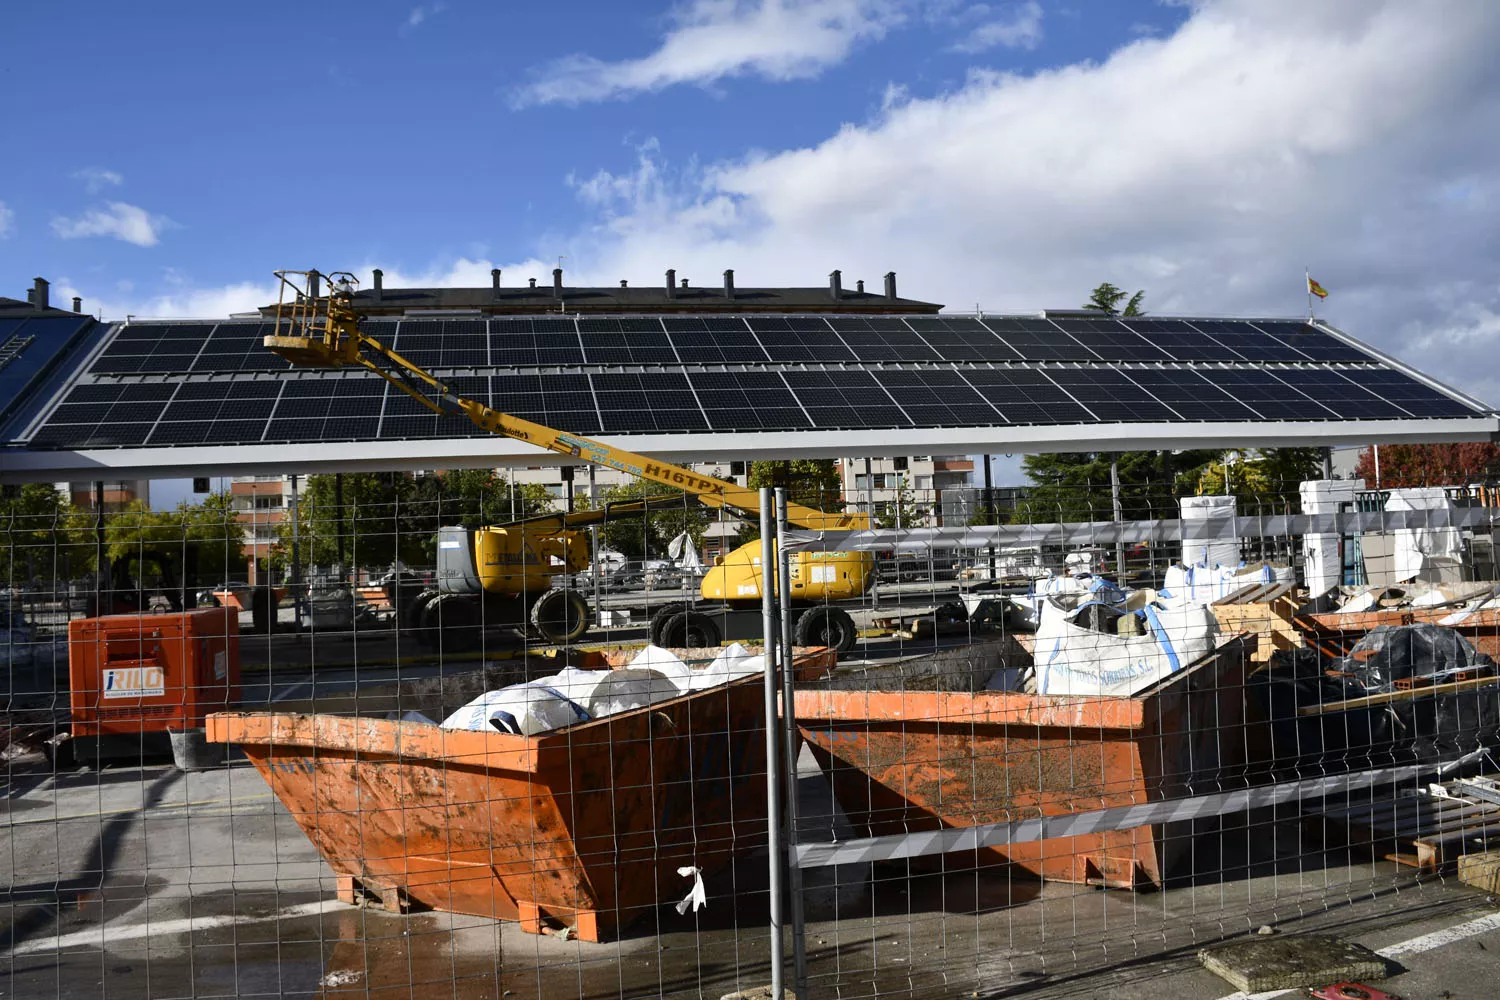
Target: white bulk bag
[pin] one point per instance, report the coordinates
(520, 709)
(1073, 660)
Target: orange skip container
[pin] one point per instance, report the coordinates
(913, 761)
(586, 825)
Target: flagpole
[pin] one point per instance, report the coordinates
(1307, 281)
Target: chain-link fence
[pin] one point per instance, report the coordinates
(363, 737)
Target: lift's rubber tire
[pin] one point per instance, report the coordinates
(411, 617)
(690, 630)
(453, 623)
(661, 616)
(561, 615)
(825, 627)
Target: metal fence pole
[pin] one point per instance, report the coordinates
(773, 775)
(789, 735)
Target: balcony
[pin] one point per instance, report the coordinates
(952, 465)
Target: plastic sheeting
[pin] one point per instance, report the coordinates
(1425, 553)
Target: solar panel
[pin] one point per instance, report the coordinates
(883, 343)
(713, 340)
(749, 401)
(938, 398)
(1039, 340)
(28, 349)
(1312, 342)
(795, 340)
(1416, 398)
(1247, 340)
(1180, 340)
(1346, 399)
(1111, 395)
(1025, 396)
(625, 342)
(215, 384)
(844, 399)
(1268, 395)
(646, 403)
(1111, 340)
(533, 342)
(1193, 395)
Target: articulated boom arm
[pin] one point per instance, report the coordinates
(323, 331)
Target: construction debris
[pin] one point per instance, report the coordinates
(1284, 963)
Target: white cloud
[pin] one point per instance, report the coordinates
(1020, 27)
(420, 14)
(7, 220)
(181, 303)
(96, 179)
(118, 219)
(1208, 166)
(714, 39)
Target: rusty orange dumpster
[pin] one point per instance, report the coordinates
(913, 761)
(585, 826)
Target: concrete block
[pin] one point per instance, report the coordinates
(1481, 870)
(1284, 963)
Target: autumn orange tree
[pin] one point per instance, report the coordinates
(1430, 464)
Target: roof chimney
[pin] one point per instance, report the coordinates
(859, 286)
(495, 283)
(78, 303)
(39, 293)
(377, 279)
(890, 285)
(835, 285)
(671, 283)
(622, 282)
(533, 282)
(557, 282)
(684, 282)
(729, 283)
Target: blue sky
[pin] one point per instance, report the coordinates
(243, 138)
(164, 158)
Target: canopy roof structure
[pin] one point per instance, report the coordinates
(184, 398)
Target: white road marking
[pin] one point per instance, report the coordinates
(1412, 946)
(291, 689)
(119, 930)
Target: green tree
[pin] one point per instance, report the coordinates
(1270, 476)
(39, 536)
(1106, 298)
(811, 482)
(645, 535)
(177, 549)
(1075, 486)
(900, 511)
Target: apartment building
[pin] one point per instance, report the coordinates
(116, 495)
(260, 504)
(905, 489)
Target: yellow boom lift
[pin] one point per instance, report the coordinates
(503, 575)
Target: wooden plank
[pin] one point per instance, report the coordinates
(1481, 870)
(1386, 697)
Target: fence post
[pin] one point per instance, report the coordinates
(773, 776)
(789, 734)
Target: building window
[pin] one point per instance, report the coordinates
(268, 503)
(924, 482)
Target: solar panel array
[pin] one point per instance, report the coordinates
(28, 348)
(164, 384)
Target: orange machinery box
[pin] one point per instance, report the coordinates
(133, 674)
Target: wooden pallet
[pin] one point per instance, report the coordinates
(1265, 609)
(1420, 831)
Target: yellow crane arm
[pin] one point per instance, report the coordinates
(323, 331)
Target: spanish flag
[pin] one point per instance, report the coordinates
(1314, 288)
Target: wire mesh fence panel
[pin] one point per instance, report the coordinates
(456, 735)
